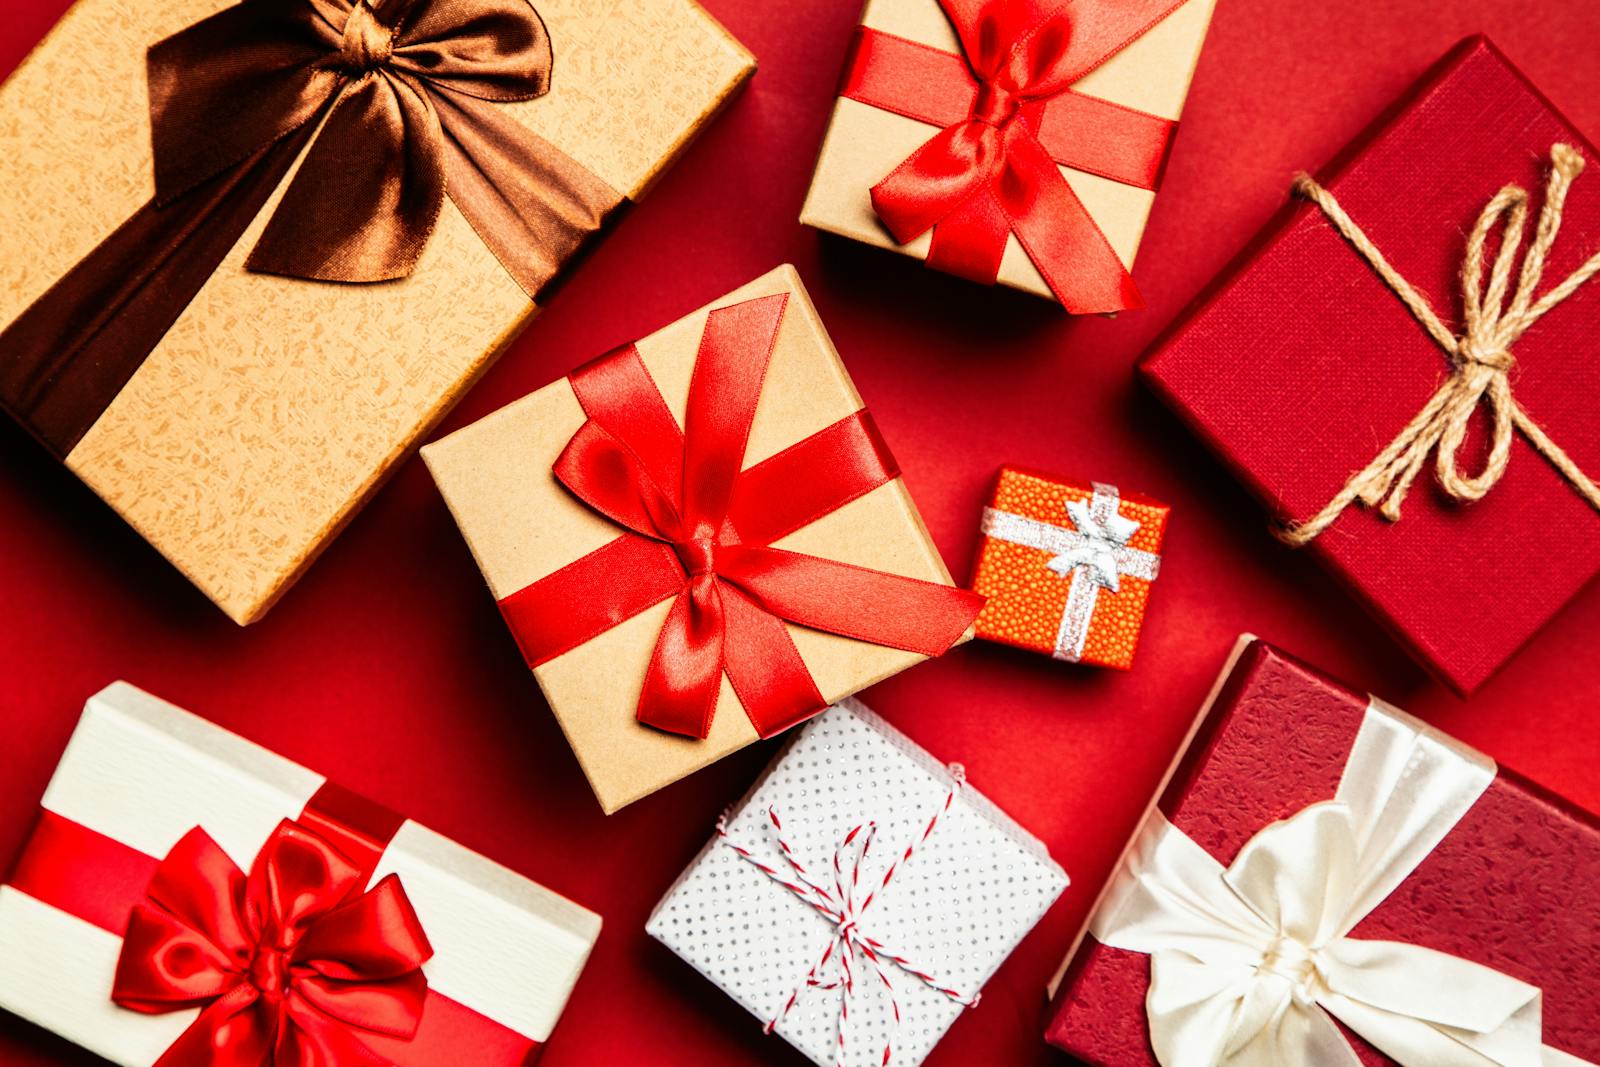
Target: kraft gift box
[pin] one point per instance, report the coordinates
(534, 538)
(240, 429)
(872, 131)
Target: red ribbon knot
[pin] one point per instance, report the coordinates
(698, 530)
(289, 965)
(1009, 118)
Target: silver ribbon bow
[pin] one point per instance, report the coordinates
(1251, 965)
(1094, 553)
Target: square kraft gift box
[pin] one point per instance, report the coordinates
(1014, 142)
(229, 898)
(1307, 372)
(860, 895)
(1324, 879)
(173, 327)
(631, 558)
(1067, 567)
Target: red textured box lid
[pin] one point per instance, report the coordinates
(1301, 365)
(1511, 887)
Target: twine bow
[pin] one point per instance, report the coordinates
(1481, 357)
(851, 948)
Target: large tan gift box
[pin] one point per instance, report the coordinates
(522, 525)
(865, 143)
(273, 407)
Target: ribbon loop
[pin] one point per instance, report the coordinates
(287, 963)
(1250, 963)
(987, 174)
(1481, 358)
(681, 489)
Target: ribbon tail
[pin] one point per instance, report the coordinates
(530, 203)
(765, 668)
(120, 300)
(839, 598)
(971, 242)
(234, 1031)
(936, 180)
(1072, 254)
(685, 673)
(366, 199)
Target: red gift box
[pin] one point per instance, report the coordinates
(1509, 886)
(1301, 364)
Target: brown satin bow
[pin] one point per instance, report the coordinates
(402, 103)
(408, 88)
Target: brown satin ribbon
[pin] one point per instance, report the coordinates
(398, 101)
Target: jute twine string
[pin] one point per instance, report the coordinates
(1480, 357)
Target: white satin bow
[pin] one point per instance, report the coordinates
(1251, 965)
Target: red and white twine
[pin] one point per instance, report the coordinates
(842, 906)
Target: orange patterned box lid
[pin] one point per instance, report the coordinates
(1067, 566)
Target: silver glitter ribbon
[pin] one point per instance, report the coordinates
(1094, 553)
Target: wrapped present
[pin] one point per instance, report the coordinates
(188, 898)
(1018, 142)
(1067, 567)
(1326, 880)
(171, 322)
(1395, 319)
(680, 593)
(859, 896)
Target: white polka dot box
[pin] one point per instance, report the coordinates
(859, 896)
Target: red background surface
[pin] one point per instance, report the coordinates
(388, 667)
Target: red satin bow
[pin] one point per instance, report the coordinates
(1009, 117)
(701, 530)
(289, 965)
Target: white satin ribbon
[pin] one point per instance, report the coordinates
(1095, 554)
(1251, 965)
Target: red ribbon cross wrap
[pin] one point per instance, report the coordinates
(699, 531)
(1009, 115)
(288, 964)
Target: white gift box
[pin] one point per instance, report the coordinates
(143, 772)
(951, 912)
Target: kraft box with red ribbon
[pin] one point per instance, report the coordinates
(1011, 141)
(700, 539)
(189, 899)
(860, 895)
(251, 253)
(1401, 367)
(1325, 881)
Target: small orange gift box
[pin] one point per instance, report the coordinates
(1067, 567)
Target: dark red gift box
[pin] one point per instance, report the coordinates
(1300, 365)
(1512, 886)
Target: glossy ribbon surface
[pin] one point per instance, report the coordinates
(1009, 116)
(400, 104)
(700, 532)
(1251, 965)
(287, 964)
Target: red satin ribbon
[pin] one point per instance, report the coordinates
(293, 965)
(1009, 116)
(700, 534)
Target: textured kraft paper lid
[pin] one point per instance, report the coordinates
(274, 407)
(863, 143)
(522, 525)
